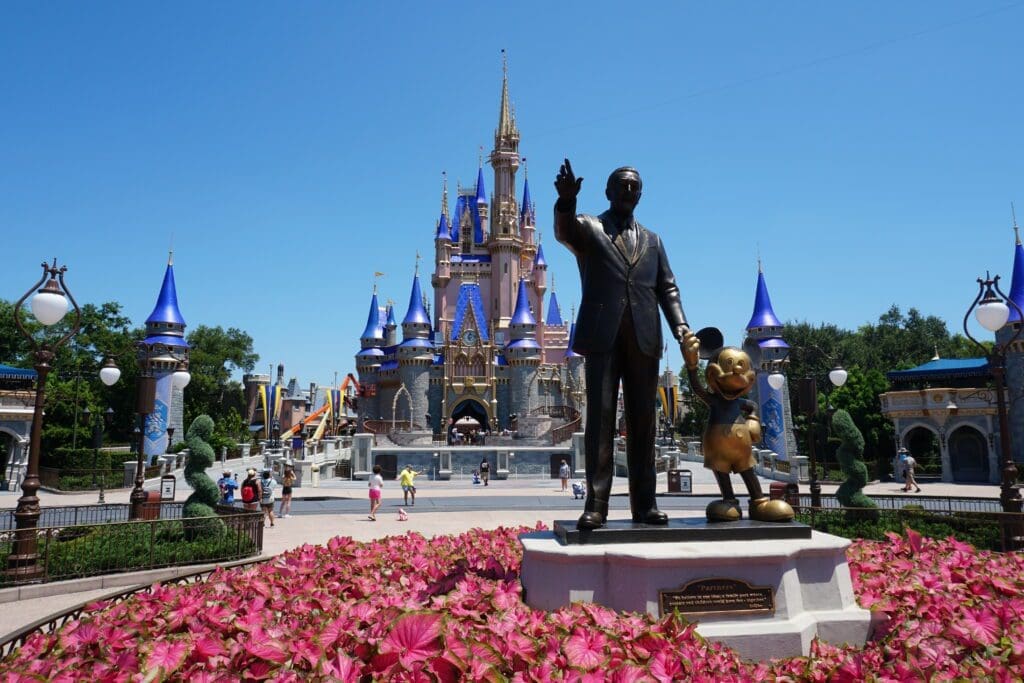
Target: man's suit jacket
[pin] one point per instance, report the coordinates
(612, 280)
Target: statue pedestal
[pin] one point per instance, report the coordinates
(764, 598)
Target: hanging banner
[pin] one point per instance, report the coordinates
(773, 417)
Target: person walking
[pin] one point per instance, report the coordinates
(267, 495)
(251, 491)
(227, 486)
(287, 481)
(563, 474)
(908, 474)
(485, 471)
(376, 491)
(408, 481)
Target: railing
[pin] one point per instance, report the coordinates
(52, 623)
(560, 434)
(75, 515)
(80, 550)
(946, 504)
(1000, 531)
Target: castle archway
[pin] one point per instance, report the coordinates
(923, 444)
(467, 411)
(968, 455)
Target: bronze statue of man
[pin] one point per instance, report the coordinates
(625, 277)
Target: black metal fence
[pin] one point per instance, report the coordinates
(986, 530)
(91, 540)
(932, 503)
(74, 515)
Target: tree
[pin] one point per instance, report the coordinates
(215, 353)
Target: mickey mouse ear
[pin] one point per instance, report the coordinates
(711, 342)
(753, 351)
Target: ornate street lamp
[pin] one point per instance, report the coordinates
(49, 306)
(992, 312)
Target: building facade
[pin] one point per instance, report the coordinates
(491, 353)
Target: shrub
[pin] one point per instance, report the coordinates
(205, 493)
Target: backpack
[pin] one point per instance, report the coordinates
(248, 492)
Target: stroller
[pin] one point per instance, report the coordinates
(476, 477)
(577, 490)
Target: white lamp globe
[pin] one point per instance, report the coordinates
(110, 373)
(181, 378)
(837, 376)
(992, 315)
(776, 380)
(49, 306)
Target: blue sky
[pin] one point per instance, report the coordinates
(868, 151)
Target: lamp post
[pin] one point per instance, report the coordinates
(992, 312)
(807, 393)
(108, 419)
(49, 306)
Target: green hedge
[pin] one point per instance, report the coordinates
(103, 549)
(977, 528)
(82, 459)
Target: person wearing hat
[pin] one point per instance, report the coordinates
(407, 479)
(251, 490)
(227, 486)
(267, 494)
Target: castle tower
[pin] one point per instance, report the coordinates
(523, 355)
(773, 404)
(165, 334)
(390, 326)
(505, 243)
(527, 214)
(1015, 354)
(368, 361)
(442, 255)
(415, 356)
(252, 384)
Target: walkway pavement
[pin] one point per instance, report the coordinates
(339, 507)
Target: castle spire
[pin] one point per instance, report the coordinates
(554, 313)
(416, 313)
(763, 315)
(372, 332)
(166, 312)
(481, 191)
(506, 122)
(522, 314)
(1017, 283)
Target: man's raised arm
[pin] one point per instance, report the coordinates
(567, 229)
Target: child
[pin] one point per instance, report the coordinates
(376, 487)
(286, 491)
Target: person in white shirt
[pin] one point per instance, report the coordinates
(376, 488)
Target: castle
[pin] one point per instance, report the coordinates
(489, 353)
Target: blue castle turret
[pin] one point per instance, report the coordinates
(1015, 354)
(773, 404)
(522, 353)
(165, 335)
(368, 361)
(415, 357)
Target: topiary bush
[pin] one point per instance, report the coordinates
(205, 493)
(850, 454)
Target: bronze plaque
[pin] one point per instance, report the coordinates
(718, 597)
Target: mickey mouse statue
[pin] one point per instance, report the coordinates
(733, 426)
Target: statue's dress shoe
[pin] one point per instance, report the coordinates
(652, 516)
(724, 511)
(590, 520)
(766, 510)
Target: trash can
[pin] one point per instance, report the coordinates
(680, 481)
(777, 490)
(151, 508)
(315, 475)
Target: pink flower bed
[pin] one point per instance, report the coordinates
(449, 608)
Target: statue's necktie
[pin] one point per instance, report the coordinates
(627, 241)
